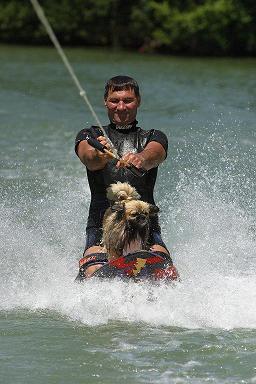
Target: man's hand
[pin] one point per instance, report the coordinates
(150, 157)
(103, 141)
(153, 155)
(91, 157)
(106, 144)
(131, 158)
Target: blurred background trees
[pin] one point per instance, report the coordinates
(187, 27)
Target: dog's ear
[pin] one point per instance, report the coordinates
(153, 210)
(117, 208)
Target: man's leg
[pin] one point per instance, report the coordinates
(156, 242)
(93, 249)
(159, 248)
(88, 264)
(93, 239)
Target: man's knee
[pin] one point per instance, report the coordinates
(93, 249)
(159, 248)
(157, 242)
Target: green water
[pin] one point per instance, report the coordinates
(201, 330)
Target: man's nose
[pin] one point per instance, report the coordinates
(121, 105)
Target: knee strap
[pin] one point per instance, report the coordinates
(92, 259)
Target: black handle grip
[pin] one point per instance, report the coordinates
(95, 143)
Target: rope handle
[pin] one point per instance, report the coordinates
(139, 172)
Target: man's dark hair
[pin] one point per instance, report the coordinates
(119, 83)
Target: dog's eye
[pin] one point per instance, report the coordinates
(133, 214)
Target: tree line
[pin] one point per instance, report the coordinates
(187, 27)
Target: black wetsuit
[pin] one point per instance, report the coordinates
(133, 140)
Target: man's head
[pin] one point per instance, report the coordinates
(122, 98)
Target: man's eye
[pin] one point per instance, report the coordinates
(125, 101)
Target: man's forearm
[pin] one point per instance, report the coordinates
(92, 158)
(150, 159)
(152, 155)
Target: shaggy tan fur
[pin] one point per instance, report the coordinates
(126, 222)
(121, 191)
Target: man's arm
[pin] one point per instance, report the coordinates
(91, 157)
(152, 155)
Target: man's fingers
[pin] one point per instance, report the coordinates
(121, 163)
(130, 158)
(103, 141)
(134, 158)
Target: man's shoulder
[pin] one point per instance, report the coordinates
(151, 131)
(156, 135)
(93, 130)
(153, 134)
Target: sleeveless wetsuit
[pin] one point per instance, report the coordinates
(133, 140)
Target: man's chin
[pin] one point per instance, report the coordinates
(121, 122)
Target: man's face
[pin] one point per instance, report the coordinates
(122, 106)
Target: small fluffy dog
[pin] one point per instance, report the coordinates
(126, 221)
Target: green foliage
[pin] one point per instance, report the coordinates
(15, 20)
(214, 27)
(204, 27)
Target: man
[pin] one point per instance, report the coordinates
(144, 149)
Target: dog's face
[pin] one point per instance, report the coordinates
(134, 213)
(125, 222)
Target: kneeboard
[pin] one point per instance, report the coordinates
(139, 266)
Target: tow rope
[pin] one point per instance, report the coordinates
(41, 15)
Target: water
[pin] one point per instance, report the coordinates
(201, 330)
